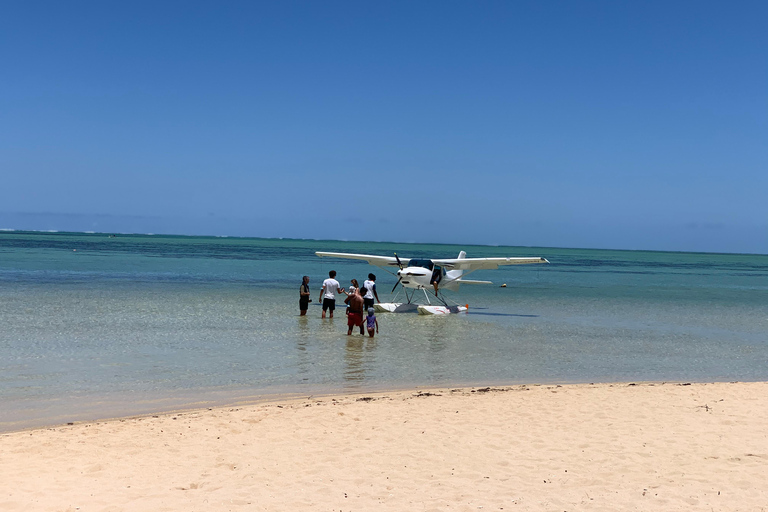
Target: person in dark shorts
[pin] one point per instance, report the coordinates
(328, 293)
(369, 291)
(304, 299)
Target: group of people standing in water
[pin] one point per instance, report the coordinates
(359, 299)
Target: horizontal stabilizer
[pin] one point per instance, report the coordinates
(470, 281)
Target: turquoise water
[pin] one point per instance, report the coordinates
(96, 326)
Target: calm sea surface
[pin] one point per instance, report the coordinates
(94, 326)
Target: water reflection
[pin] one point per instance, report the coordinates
(359, 358)
(304, 336)
(437, 336)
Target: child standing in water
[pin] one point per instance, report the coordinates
(371, 322)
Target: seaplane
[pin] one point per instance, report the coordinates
(436, 275)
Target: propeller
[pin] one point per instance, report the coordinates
(399, 264)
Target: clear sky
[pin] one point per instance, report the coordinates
(602, 124)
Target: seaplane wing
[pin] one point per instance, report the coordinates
(485, 263)
(452, 263)
(377, 261)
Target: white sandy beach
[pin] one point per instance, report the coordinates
(549, 448)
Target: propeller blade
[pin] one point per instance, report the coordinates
(397, 283)
(399, 263)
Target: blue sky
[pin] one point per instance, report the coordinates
(629, 125)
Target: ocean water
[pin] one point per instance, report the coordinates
(93, 326)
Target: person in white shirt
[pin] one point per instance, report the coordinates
(328, 294)
(369, 291)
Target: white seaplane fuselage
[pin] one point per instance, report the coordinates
(415, 277)
(423, 277)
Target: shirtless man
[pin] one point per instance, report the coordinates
(355, 317)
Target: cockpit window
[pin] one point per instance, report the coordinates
(421, 263)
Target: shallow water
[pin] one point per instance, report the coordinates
(94, 326)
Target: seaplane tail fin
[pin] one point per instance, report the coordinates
(462, 255)
(456, 274)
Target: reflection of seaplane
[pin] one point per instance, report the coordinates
(436, 274)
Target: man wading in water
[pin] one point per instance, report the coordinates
(355, 317)
(329, 291)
